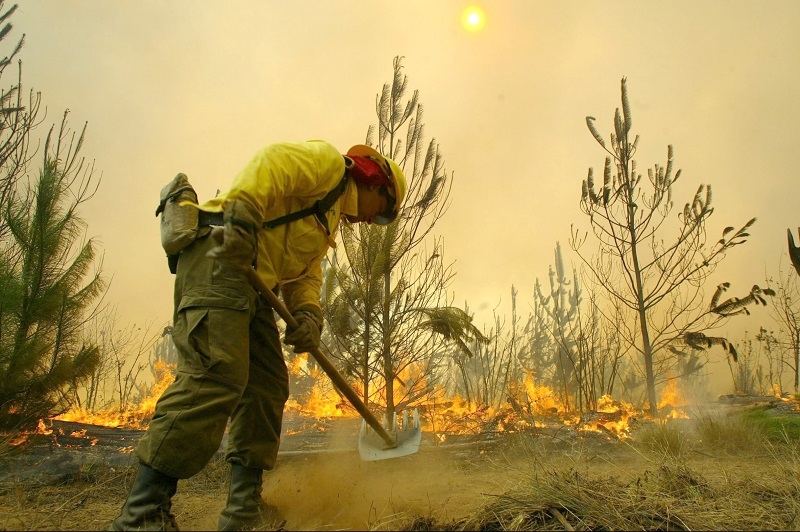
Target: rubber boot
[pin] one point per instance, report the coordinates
(245, 509)
(149, 502)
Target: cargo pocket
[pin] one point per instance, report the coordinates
(212, 332)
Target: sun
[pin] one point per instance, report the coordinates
(473, 19)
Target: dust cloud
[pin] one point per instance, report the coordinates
(339, 490)
(333, 489)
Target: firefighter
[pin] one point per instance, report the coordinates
(279, 217)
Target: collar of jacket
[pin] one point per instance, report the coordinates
(349, 201)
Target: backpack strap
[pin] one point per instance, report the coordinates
(171, 197)
(319, 208)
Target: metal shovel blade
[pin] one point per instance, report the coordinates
(407, 438)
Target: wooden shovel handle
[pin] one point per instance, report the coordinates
(326, 365)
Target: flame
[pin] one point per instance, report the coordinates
(453, 415)
(530, 406)
(321, 401)
(299, 365)
(673, 400)
(541, 397)
(776, 391)
(614, 416)
(135, 417)
(42, 428)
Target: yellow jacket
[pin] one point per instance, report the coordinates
(282, 179)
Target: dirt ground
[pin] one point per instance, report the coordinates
(433, 489)
(326, 491)
(340, 492)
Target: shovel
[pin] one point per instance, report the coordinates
(374, 441)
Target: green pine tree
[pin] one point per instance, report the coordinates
(51, 279)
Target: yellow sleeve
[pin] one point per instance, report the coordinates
(305, 290)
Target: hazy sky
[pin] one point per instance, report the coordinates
(199, 87)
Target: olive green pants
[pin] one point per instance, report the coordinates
(230, 367)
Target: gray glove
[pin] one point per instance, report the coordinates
(238, 246)
(305, 337)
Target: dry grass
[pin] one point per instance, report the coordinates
(730, 435)
(91, 497)
(46, 505)
(669, 497)
(714, 473)
(670, 439)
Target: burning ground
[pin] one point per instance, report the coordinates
(734, 464)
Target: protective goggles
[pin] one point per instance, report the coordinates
(387, 216)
